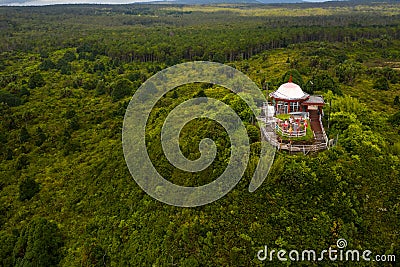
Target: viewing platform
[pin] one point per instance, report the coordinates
(293, 121)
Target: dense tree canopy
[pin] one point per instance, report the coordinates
(67, 74)
(39, 244)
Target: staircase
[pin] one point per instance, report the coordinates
(315, 123)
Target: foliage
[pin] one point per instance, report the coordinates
(322, 82)
(9, 99)
(347, 71)
(24, 135)
(381, 84)
(21, 162)
(395, 119)
(68, 56)
(64, 136)
(347, 104)
(36, 80)
(94, 255)
(390, 74)
(296, 77)
(39, 244)
(209, 38)
(120, 89)
(283, 116)
(253, 133)
(396, 101)
(28, 188)
(40, 136)
(47, 64)
(7, 242)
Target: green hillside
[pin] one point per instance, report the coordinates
(67, 74)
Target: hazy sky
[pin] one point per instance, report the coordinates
(54, 2)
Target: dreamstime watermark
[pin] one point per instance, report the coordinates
(332, 254)
(140, 108)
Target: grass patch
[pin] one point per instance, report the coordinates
(283, 116)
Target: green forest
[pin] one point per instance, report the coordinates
(68, 72)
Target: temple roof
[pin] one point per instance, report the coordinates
(289, 91)
(315, 100)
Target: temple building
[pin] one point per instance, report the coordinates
(293, 119)
(290, 98)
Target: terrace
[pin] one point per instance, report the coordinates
(292, 125)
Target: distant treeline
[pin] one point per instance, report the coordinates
(171, 33)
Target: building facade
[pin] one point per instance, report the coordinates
(290, 98)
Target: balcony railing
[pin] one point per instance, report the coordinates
(290, 132)
(271, 138)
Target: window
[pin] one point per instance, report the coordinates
(294, 106)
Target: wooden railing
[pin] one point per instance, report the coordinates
(271, 139)
(303, 148)
(290, 147)
(323, 131)
(290, 134)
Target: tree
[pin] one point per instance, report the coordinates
(99, 67)
(94, 255)
(254, 133)
(22, 162)
(28, 188)
(134, 76)
(381, 84)
(241, 108)
(341, 57)
(292, 173)
(73, 124)
(40, 136)
(201, 93)
(64, 66)
(36, 80)
(322, 82)
(348, 71)
(396, 101)
(341, 120)
(47, 64)
(395, 119)
(66, 69)
(100, 88)
(24, 91)
(296, 77)
(24, 135)
(360, 141)
(390, 74)
(9, 99)
(39, 244)
(7, 243)
(44, 54)
(309, 87)
(3, 138)
(70, 113)
(175, 94)
(9, 154)
(120, 89)
(69, 56)
(89, 84)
